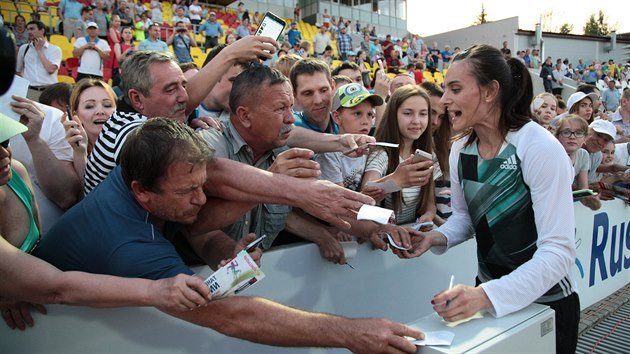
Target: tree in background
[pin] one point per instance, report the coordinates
(546, 21)
(597, 25)
(566, 28)
(483, 16)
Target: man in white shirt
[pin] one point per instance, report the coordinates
(321, 41)
(38, 61)
(93, 52)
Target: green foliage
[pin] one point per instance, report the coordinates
(566, 28)
(597, 25)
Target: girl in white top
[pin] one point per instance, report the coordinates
(405, 122)
(571, 132)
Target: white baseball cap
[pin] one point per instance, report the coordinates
(578, 96)
(605, 127)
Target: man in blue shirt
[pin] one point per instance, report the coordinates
(153, 42)
(213, 31)
(611, 97)
(182, 40)
(120, 228)
(294, 35)
(243, 29)
(313, 90)
(70, 13)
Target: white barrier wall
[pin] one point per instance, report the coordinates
(380, 285)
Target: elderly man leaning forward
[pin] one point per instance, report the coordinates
(260, 126)
(159, 187)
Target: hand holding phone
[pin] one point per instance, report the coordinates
(271, 26)
(420, 155)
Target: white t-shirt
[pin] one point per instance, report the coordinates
(34, 70)
(622, 154)
(193, 16)
(54, 135)
(91, 61)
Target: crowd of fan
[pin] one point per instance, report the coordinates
(76, 133)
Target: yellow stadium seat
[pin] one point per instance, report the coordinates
(7, 5)
(24, 8)
(427, 76)
(439, 78)
(65, 78)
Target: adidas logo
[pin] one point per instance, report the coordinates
(509, 163)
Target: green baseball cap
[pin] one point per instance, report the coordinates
(351, 95)
(10, 128)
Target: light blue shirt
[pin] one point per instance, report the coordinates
(71, 8)
(213, 29)
(148, 44)
(241, 32)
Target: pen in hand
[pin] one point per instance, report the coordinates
(450, 286)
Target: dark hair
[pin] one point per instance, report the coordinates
(561, 104)
(19, 16)
(40, 25)
(442, 136)
(213, 53)
(151, 148)
(250, 83)
(216, 50)
(308, 66)
(341, 80)
(188, 66)
(586, 88)
(85, 9)
(487, 64)
(345, 65)
(59, 92)
(389, 131)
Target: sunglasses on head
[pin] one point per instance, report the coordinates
(5, 144)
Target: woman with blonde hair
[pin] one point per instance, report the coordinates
(543, 109)
(92, 102)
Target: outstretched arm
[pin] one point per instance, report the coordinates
(263, 321)
(44, 284)
(237, 182)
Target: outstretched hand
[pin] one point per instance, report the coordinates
(180, 293)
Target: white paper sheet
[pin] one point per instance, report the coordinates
(374, 213)
(388, 186)
(350, 248)
(435, 338)
(19, 87)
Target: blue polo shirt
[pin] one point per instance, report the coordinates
(71, 8)
(294, 36)
(148, 44)
(213, 29)
(108, 232)
(302, 121)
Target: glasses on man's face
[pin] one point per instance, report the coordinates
(567, 133)
(5, 144)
